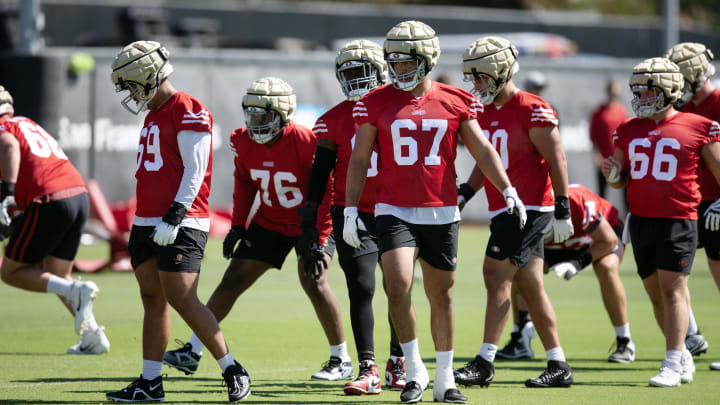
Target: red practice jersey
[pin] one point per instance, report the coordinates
(709, 108)
(587, 209)
(159, 163)
(602, 126)
(280, 172)
(417, 142)
(339, 126)
(508, 129)
(44, 167)
(661, 160)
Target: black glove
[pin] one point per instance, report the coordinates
(237, 233)
(313, 255)
(4, 232)
(466, 192)
(175, 214)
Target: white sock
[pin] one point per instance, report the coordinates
(151, 369)
(444, 378)
(622, 330)
(196, 345)
(413, 361)
(487, 351)
(556, 353)
(674, 356)
(226, 361)
(340, 351)
(692, 325)
(59, 286)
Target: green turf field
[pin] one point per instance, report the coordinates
(274, 333)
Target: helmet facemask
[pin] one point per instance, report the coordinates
(645, 107)
(490, 87)
(405, 80)
(357, 78)
(263, 124)
(135, 102)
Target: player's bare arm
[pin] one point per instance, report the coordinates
(548, 144)
(9, 157)
(359, 161)
(488, 160)
(711, 156)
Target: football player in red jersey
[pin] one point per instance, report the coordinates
(657, 156)
(359, 68)
(39, 180)
(416, 123)
(597, 240)
(171, 224)
(523, 129)
(273, 157)
(700, 97)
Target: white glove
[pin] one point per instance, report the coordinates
(8, 202)
(352, 224)
(165, 234)
(514, 205)
(562, 229)
(565, 270)
(712, 216)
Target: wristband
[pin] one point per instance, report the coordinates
(175, 214)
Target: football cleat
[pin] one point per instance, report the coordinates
(334, 369)
(625, 351)
(520, 345)
(450, 396)
(140, 390)
(696, 344)
(91, 342)
(688, 367)
(715, 365)
(183, 359)
(412, 393)
(368, 381)
(395, 374)
(556, 374)
(667, 377)
(81, 298)
(237, 380)
(477, 372)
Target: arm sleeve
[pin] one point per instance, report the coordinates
(195, 153)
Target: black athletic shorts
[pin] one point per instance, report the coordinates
(48, 229)
(183, 256)
(707, 239)
(368, 239)
(272, 247)
(507, 240)
(437, 243)
(555, 256)
(663, 243)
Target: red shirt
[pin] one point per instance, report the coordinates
(44, 167)
(508, 129)
(159, 163)
(339, 126)
(661, 160)
(709, 108)
(417, 142)
(280, 172)
(587, 209)
(602, 126)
